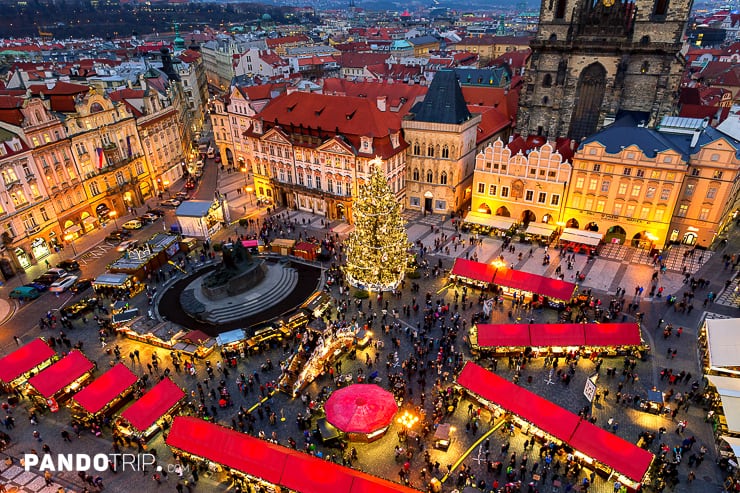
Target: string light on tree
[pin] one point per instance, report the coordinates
(377, 250)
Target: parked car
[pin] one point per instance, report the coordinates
(77, 309)
(69, 265)
(170, 203)
(189, 185)
(132, 224)
(63, 284)
(50, 276)
(25, 293)
(127, 245)
(41, 287)
(183, 196)
(81, 285)
(150, 217)
(156, 212)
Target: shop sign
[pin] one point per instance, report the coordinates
(53, 405)
(590, 389)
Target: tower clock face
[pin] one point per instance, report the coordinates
(608, 3)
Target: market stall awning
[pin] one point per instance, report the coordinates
(73, 229)
(105, 388)
(624, 457)
(62, 373)
(360, 408)
(731, 409)
(581, 236)
(533, 283)
(734, 444)
(305, 246)
(477, 271)
(723, 342)
(544, 335)
(725, 385)
(616, 334)
(503, 335)
(235, 335)
(153, 405)
(111, 279)
(541, 229)
(24, 359)
(196, 337)
(544, 414)
(270, 462)
(497, 222)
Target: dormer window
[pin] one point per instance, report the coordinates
(395, 141)
(366, 145)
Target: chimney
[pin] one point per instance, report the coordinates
(382, 103)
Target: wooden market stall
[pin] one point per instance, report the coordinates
(307, 251)
(600, 450)
(140, 420)
(471, 272)
(105, 394)
(59, 381)
(17, 367)
(283, 246)
(272, 466)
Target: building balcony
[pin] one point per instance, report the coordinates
(12, 183)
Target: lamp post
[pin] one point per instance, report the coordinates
(113, 214)
(167, 187)
(244, 170)
(249, 191)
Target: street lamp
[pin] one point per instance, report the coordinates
(113, 215)
(167, 187)
(408, 420)
(244, 170)
(249, 192)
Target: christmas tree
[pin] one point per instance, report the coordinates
(377, 250)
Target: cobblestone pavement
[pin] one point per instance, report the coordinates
(378, 457)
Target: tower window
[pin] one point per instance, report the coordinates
(547, 80)
(661, 7)
(560, 10)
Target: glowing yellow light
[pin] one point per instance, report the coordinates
(498, 263)
(408, 420)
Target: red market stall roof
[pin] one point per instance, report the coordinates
(543, 335)
(476, 271)
(24, 359)
(619, 454)
(105, 388)
(533, 283)
(360, 408)
(624, 457)
(305, 246)
(62, 373)
(272, 463)
(153, 405)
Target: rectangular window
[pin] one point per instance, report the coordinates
(318, 183)
(481, 188)
(329, 186)
(94, 190)
(605, 186)
(492, 190)
(650, 193)
(600, 204)
(645, 213)
(618, 209)
(683, 209)
(592, 183)
(695, 172)
(579, 183)
(636, 190)
(659, 213)
(640, 173)
(541, 197)
(440, 204)
(589, 205)
(414, 201)
(630, 210)
(690, 188)
(671, 176)
(554, 199)
(309, 180)
(665, 194)
(704, 214)
(655, 175)
(576, 202)
(300, 179)
(529, 195)
(717, 175)
(339, 188)
(597, 167)
(627, 171)
(504, 191)
(711, 192)
(622, 189)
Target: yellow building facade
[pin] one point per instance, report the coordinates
(518, 188)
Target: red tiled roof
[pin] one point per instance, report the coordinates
(10, 109)
(401, 97)
(60, 88)
(299, 38)
(360, 60)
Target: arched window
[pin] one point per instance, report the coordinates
(443, 178)
(430, 150)
(645, 67)
(445, 151)
(416, 175)
(430, 176)
(560, 9)
(547, 80)
(417, 149)
(661, 7)
(545, 100)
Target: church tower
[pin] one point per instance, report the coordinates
(593, 60)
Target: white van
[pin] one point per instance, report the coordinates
(211, 153)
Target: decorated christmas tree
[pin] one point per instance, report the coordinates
(377, 250)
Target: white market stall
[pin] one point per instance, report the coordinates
(202, 218)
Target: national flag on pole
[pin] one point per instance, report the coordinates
(128, 145)
(99, 150)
